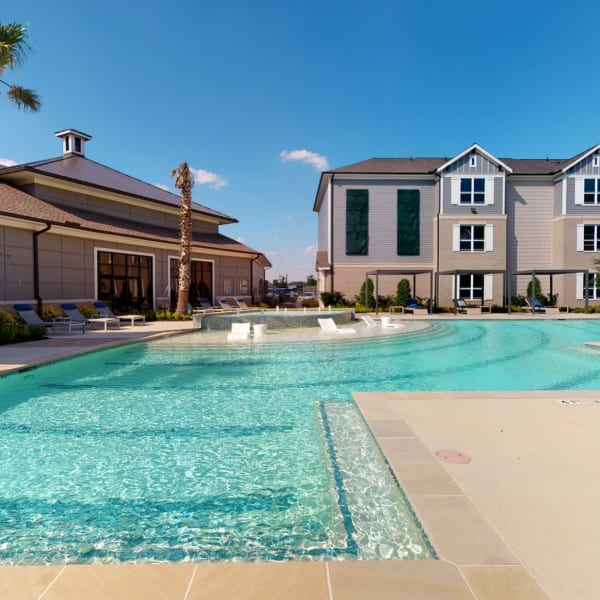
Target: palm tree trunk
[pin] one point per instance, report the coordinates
(184, 182)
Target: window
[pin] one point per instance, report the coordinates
(596, 161)
(591, 191)
(125, 280)
(357, 222)
(593, 286)
(472, 238)
(472, 190)
(470, 286)
(591, 238)
(408, 240)
(473, 161)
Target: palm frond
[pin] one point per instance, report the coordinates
(23, 98)
(13, 45)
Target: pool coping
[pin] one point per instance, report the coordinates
(475, 561)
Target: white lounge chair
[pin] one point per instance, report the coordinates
(239, 331)
(64, 325)
(328, 326)
(103, 310)
(461, 306)
(385, 322)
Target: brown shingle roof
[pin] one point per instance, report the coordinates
(14, 202)
(88, 172)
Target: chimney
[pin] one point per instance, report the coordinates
(73, 141)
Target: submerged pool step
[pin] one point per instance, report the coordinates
(377, 515)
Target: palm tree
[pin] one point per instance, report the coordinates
(13, 45)
(184, 182)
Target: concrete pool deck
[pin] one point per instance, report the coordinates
(520, 520)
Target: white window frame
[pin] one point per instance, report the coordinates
(472, 192)
(580, 191)
(488, 237)
(473, 161)
(593, 291)
(596, 161)
(581, 237)
(455, 193)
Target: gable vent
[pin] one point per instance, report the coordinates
(73, 141)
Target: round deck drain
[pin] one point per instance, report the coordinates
(453, 456)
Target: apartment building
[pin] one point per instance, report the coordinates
(72, 229)
(478, 227)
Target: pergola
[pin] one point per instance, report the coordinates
(456, 272)
(413, 272)
(551, 273)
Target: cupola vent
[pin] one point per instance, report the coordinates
(73, 141)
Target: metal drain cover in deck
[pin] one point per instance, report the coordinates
(453, 456)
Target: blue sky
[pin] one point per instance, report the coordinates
(259, 96)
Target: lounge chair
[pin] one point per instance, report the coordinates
(61, 324)
(206, 306)
(103, 310)
(460, 306)
(413, 306)
(242, 304)
(76, 317)
(239, 331)
(328, 326)
(385, 322)
(534, 305)
(224, 304)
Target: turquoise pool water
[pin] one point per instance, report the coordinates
(176, 450)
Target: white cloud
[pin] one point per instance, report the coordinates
(208, 178)
(290, 218)
(318, 161)
(240, 240)
(310, 250)
(7, 162)
(161, 186)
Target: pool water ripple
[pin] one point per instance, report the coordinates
(178, 450)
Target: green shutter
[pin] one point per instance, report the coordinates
(409, 223)
(357, 222)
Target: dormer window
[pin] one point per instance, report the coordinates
(73, 141)
(473, 160)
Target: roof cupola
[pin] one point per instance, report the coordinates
(73, 141)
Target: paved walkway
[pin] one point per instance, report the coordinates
(519, 521)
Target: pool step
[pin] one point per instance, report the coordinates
(377, 515)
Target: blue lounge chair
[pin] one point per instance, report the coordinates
(62, 325)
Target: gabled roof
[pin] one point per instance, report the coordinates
(480, 150)
(391, 166)
(84, 171)
(16, 203)
(582, 156)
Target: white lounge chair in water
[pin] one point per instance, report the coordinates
(328, 325)
(239, 331)
(385, 322)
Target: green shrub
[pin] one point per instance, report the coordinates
(51, 311)
(335, 299)
(366, 298)
(403, 292)
(13, 332)
(7, 317)
(86, 310)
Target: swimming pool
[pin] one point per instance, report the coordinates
(177, 450)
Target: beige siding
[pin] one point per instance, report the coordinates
(530, 206)
(16, 256)
(383, 223)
